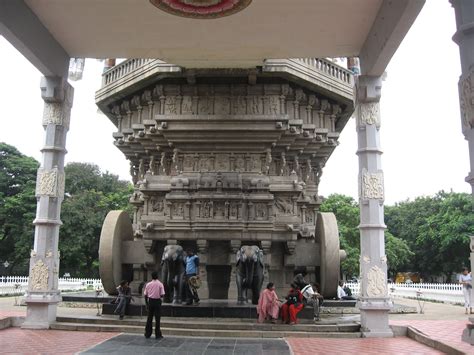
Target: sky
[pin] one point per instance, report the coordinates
(424, 149)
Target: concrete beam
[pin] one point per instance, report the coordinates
(392, 23)
(22, 28)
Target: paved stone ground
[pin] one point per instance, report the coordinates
(442, 322)
(45, 342)
(137, 344)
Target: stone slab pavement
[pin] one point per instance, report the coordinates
(442, 322)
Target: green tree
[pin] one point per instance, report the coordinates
(89, 196)
(17, 207)
(346, 210)
(347, 214)
(437, 230)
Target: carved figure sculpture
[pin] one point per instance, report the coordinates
(249, 272)
(172, 272)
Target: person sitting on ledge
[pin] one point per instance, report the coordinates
(341, 294)
(293, 305)
(268, 304)
(124, 298)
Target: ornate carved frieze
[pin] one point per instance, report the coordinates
(376, 282)
(372, 185)
(39, 276)
(50, 183)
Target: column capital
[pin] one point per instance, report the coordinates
(368, 88)
(56, 90)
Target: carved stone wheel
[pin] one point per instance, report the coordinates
(116, 228)
(328, 234)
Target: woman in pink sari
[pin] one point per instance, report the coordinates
(268, 304)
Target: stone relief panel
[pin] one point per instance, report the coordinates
(239, 105)
(239, 164)
(156, 205)
(205, 106)
(376, 282)
(222, 162)
(261, 211)
(466, 97)
(177, 210)
(171, 107)
(50, 183)
(283, 205)
(255, 105)
(205, 163)
(369, 114)
(206, 210)
(219, 210)
(234, 210)
(222, 106)
(56, 113)
(372, 186)
(188, 162)
(39, 276)
(255, 163)
(187, 105)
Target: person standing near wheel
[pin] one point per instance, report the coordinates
(154, 292)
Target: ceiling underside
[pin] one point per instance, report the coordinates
(265, 29)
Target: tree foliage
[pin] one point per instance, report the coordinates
(347, 214)
(437, 230)
(17, 207)
(89, 196)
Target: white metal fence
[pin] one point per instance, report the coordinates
(17, 285)
(448, 293)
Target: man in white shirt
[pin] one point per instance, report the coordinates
(341, 294)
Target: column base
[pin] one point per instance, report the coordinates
(374, 318)
(41, 310)
(468, 332)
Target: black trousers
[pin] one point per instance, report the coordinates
(154, 310)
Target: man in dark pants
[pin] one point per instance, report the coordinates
(154, 292)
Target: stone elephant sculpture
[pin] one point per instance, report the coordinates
(249, 272)
(172, 273)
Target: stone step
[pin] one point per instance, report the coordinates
(203, 332)
(196, 323)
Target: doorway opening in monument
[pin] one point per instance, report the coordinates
(218, 280)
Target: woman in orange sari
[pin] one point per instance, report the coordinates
(268, 304)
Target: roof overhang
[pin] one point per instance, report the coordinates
(47, 32)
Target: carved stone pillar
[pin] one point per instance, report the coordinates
(464, 37)
(203, 253)
(43, 293)
(267, 257)
(234, 248)
(374, 302)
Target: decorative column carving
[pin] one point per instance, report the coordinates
(374, 302)
(203, 253)
(43, 293)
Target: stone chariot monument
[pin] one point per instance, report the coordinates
(225, 158)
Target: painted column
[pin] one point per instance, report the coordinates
(464, 37)
(374, 302)
(43, 292)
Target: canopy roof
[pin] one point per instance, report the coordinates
(44, 31)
